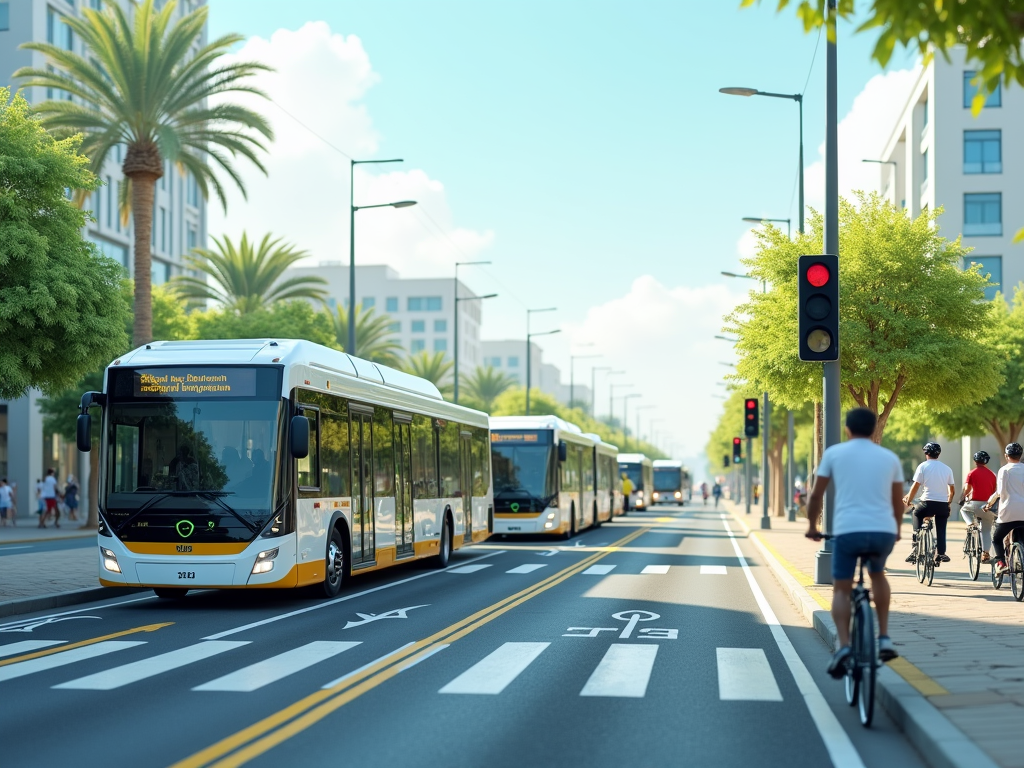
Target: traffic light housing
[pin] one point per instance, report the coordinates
(818, 302)
(737, 450)
(751, 417)
(725, 461)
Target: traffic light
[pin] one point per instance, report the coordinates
(751, 420)
(737, 450)
(818, 300)
(725, 461)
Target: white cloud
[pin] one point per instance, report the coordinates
(320, 78)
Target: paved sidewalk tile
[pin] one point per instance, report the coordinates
(46, 573)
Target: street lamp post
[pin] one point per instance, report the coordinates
(593, 385)
(611, 403)
(638, 409)
(455, 319)
(625, 415)
(572, 376)
(351, 347)
(528, 351)
(762, 219)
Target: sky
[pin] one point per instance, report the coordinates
(582, 147)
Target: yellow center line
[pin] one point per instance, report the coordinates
(261, 736)
(80, 643)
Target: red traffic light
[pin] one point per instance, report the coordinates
(751, 405)
(818, 275)
(737, 441)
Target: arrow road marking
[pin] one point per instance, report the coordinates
(367, 618)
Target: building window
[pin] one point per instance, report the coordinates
(924, 166)
(440, 345)
(192, 193)
(163, 229)
(513, 362)
(983, 151)
(110, 199)
(995, 99)
(5, 17)
(494, 362)
(993, 267)
(414, 304)
(116, 252)
(391, 304)
(161, 272)
(418, 326)
(395, 327)
(433, 303)
(440, 326)
(117, 216)
(983, 214)
(97, 198)
(369, 302)
(417, 345)
(57, 32)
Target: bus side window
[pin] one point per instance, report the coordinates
(481, 462)
(383, 453)
(424, 458)
(309, 468)
(334, 456)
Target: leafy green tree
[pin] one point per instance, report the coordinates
(483, 386)
(375, 341)
(435, 368)
(62, 313)
(138, 83)
(284, 320)
(171, 321)
(247, 276)
(911, 319)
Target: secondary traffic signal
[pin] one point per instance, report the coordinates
(737, 450)
(751, 422)
(725, 461)
(818, 300)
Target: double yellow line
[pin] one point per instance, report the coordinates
(264, 735)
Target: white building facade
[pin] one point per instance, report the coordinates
(509, 357)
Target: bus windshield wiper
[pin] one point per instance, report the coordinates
(215, 497)
(149, 503)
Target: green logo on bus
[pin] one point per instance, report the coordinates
(515, 506)
(184, 528)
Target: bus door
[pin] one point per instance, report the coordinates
(403, 488)
(581, 484)
(466, 482)
(362, 485)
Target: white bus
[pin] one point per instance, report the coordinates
(278, 463)
(609, 486)
(544, 476)
(671, 482)
(638, 468)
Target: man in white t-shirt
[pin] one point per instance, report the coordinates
(935, 481)
(865, 525)
(1010, 495)
(6, 502)
(48, 494)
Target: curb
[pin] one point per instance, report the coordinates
(61, 599)
(940, 743)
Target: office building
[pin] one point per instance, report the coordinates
(509, 356)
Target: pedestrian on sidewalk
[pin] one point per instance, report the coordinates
(865, 525)
(40, 504)
(757, 492)
(6, 502)
(937, 481)
(1010, 494)
(717, 493)
(71, 498)
(49, 495)
(979, 485)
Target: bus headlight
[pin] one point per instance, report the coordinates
(265, 561)
(110, 560)
(679, 494)
(656, 496)
(639, 502)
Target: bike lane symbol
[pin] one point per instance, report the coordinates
(632, 618)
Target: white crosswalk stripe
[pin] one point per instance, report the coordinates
(598, 570)
(276, 668)
(655, 569)
(744, 674)
(527, 568)
(712, 570)
(27, 646)
(155, 665)
(493, 673)
(21, 668)
(624, 672)
(469, 568)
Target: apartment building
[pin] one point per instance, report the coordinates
(509, 356)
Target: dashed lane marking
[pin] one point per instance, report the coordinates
(275, 668)
(744, 674)
(599, 570)
(655, 569)
(155, 665)
(624, 672)
(527, 568)
(469, 568)
(25, 646)
(495, 672)
(713, 570)
(43, 663)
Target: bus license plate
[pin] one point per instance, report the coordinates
(181, 574)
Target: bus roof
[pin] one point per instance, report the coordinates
(633, 458)
(608, 447)
(533, 422)
(668, 463)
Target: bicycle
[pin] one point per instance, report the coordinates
(924, 553)
(972, 549)
(1015, 563)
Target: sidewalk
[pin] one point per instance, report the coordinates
(26, 529)
(961, 642)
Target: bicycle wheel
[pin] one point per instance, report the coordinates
(997, 578)
(919, 551)
(973, 547)
(867, 662)
(1016, 564)
(929, 558)
(851, 677)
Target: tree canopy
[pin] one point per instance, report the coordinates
(482, 387)
(62, 312)
(296, 319)
(435, 368)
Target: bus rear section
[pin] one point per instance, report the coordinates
(639, 469)
(669, 482)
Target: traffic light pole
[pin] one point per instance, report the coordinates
(766, 521)
(746, 471)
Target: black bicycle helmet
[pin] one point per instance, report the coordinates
(932, 450)
(1013, 450)
(982, 457)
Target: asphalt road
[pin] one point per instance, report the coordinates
(645, 642)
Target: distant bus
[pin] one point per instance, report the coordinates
(639, 469)
(609, 484)
(671, 482)
(544, 476)
(262, 463)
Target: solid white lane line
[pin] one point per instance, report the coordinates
(417, 659)
(744, 674)
(623, 672)
(598, 570)
(713, 570)
(835, 739)
(155, 665)
(277, 667)
(469, 568)
(369, 664)
(66, 657)
(335, 601)
(655, 569)
(527, 568)
(493, 673)
(25, 646)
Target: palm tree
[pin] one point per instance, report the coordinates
(484, 386)
(375, 341)
(435, 368)
(245, 277)
(146, 84)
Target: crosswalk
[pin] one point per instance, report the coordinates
(601, 569)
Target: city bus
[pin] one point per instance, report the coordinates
(609, 485)
(278, 463)
(671, 482)
(639, 469)
(544, 476)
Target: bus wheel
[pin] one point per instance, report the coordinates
(335, 574)
(572, 523)
(170, 593)
(444, 546)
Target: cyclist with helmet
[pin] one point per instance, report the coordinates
(979, 485)
(935, 479)
(1010, 494)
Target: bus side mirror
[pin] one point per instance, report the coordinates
(83, 433)
(563, 451)
(298, 437)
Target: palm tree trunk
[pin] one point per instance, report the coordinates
(143, 165)
(92, 519)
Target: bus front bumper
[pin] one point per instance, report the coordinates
(545, 522)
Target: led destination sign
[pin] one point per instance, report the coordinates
(195, 382)
(521, 437)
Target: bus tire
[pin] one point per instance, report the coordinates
(170, 593)
(444, 545)
(572, 523)
(336, 563)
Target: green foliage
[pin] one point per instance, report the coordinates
(435, 368)
(171, 320)
(482, 387)
(247, 276)
(911, 319)
(61, 309)
(375, 341)
(284, 320)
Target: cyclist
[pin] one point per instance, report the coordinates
(866, 524)
(1010, 494)
(937, 481)
(979, 485)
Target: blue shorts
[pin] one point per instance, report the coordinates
(874, 546)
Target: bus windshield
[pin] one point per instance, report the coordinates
(523, 477)
(667, 479)
(634, 472)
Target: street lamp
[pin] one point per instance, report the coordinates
(351, 347)
(572, 378)
(893, 163)
(638, 409)
(726, 338)
(625, 415)
(761, 220)
(611, 402)
(528, 355)
(456, 313)
(799, 99)
(593, 385)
